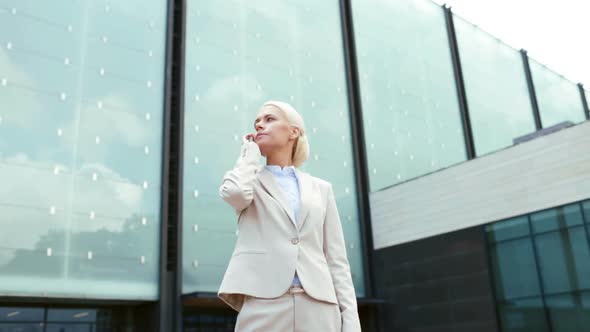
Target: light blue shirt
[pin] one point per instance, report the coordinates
(287, 179)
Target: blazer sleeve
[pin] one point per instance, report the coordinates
(335, 252)
(236, 188)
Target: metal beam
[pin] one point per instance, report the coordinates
(584, 100)
(459, 83)
(358, 142)
(531, 86)
(539, 274)
(180, 29)
(169, 311)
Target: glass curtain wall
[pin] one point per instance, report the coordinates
(540, 264)
(238, 55)
(409, 100)
(496, 88)
(82, 91)
(48, 319)
(558, 98)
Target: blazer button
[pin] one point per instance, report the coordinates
(294, 240)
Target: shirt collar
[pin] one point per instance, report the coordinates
(276, 169)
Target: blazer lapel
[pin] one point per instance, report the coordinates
(305, 191)
(268, 181)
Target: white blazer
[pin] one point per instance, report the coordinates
(270, 246)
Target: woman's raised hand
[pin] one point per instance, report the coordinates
(248, 137)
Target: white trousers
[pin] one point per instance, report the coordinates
(294, 311)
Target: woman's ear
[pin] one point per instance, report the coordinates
(295, 132)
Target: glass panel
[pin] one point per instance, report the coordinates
(21, 314)
(238, 55)
(71, 315)
(201, 319)
(569, 312)
(548, 220)
(564, 260)
(19, 327)
(514, 269)
(82, 91)
(409, 100)
(586, 207)
(558, 98)
(525, 315)
(497, 92)
(508, 229)
(69, 327)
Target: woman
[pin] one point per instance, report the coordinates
(289, 270)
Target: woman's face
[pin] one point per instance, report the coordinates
(273, 131)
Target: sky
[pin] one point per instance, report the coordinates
(555, 33)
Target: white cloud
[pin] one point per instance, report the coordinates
(12, 98)
(29, 190)
(122, 122)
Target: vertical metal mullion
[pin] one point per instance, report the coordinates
(163, 303)
(45, 319)
(491, 277)
(180, 157)
(169, 298)
(358, 136)
(459, 83)
(584, 100)
(531, 86)
(539, 274)
(585, 220)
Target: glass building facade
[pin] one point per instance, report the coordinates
(112, 115)
(410, 109)
(558, 98)
(496, 87)
(541, 269)
(82, 98)
(264, 50)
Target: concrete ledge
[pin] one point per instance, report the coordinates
(545, 172)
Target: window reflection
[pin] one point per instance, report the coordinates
(409, 101)
(238, 55)
(20, 314)
(542, 278)
(41, 319)
(558, 98)
(84, 163)
(501, 111)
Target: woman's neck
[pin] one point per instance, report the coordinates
(282, 161)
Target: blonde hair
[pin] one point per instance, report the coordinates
(301, 147)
